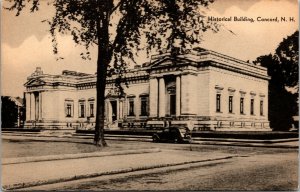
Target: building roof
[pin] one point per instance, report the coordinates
(197, 58)
(17, 100)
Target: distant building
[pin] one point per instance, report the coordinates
(201, 89)
(12, 112)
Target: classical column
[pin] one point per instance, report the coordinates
(178, 95)
(36, 104)
(117, 109)
(153, 97)
(28, 107)
(121, 109)
(162, 99)
(106, 111)
(125, 108)
(109, 113)
(32, 106)
(40, 106)
(189, 94)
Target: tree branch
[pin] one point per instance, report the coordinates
(117, 6)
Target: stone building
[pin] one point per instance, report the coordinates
(201, 89)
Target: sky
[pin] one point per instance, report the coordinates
(26, 43)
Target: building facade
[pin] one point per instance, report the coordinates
(201, 89)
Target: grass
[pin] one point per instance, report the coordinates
(26, 148)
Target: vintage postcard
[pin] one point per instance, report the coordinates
(149, 95)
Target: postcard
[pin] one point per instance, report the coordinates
(150, 95)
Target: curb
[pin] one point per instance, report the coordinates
(265, 145)
(246, 140)
(91, 175)
(8, 161)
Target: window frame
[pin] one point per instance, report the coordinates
(252, 106)
(230, 104)
(91, 109)
(144, 108)
(261, 107)
(131, 111)
(71, 104)
(242, 105)
(81, 110)
(218, 102)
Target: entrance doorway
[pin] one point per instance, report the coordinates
(114, 110)
(172, 104)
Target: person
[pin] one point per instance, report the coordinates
(190, 125)
(167, 123)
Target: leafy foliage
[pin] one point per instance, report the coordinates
(10, 113)
(287, 54)
(120, 28)
(167, 24)
(283, 70)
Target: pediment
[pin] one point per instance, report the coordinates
(169, 62)
(34, 82)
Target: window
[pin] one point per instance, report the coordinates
(91, 109)
(252, 106)
(242, 106)
(131, 107)
(144, 106)
(230, 104)
(261, 107)
(81, 109)
(69, 108)
(218, 104)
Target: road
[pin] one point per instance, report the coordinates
(237, 174)
(254, 169)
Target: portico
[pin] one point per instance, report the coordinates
(165, 90)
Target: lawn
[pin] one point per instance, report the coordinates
(27, 148)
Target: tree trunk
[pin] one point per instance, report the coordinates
(102, 64)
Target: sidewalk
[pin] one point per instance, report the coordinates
(278, 143)
(21, 175)
(17, 160)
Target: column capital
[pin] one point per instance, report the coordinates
(189, 73)
(158, 76)
(152, 77)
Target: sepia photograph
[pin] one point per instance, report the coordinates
(149, 95)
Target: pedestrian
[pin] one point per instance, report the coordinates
(167, 124)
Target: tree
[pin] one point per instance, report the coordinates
(10, 112)
(172, 25)
(283, 86)
(287, 54)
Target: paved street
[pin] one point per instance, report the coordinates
(257, 173)
(176, 166)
